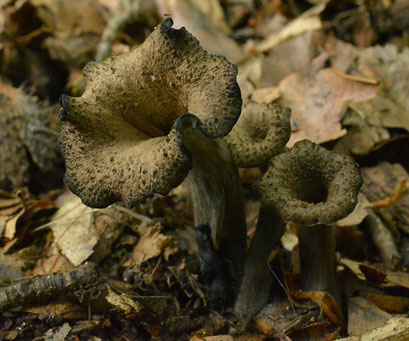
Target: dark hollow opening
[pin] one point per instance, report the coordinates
(311, 189)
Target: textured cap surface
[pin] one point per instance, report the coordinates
(260, 133)
(119, 140)
(311, 185)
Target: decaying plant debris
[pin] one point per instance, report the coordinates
(173, 128)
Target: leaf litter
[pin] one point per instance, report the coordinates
(345, 79)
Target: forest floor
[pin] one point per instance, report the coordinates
(71, 272)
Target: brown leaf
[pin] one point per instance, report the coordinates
(395, 329)
(63, 310)
(364, 316)
(315, 331)
(9, 202)
(152, 244)
(213, 338)
(327, 304)
(74, 230)
(10, 228)
(52, 260)
(400, 279)
(317, 103)
(308, 21)
(391, 304)
(185, 13)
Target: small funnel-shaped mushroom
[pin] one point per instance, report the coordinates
(313, 187)
(119, 140)
(260, 133)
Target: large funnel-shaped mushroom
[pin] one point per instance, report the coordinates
(313, 187)
(118, 139)
(127, 137)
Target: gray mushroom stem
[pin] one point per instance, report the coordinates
(214, 186)
(317, 259)
(257, 279)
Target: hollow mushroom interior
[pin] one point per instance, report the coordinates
(307, 184)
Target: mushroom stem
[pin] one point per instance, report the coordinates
(257, 278)
(317, 259)
(216, 194)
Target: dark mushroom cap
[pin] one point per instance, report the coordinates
(119, 139)
(311, 185)
(260, 133)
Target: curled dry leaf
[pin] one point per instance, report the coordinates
(358, 214)
(327, 304)
(390, 304)
(394, 279)
(308, 21)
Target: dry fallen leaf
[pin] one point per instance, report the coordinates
(370, 119)
(391, 304)
(77, 26)
(123, 301)
(395, 329)
(212, 338)
(68, 311)
(73, 229)
(212, 38)
(308, 21)
(151, 244)
(364, 316)
(317, 103)
(51, 259)
(383, 279)
(358, 214)
(326, 303)
(290, 56)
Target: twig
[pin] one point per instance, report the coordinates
(397, 193)
(38, 289)
(114, 26)
(383, 239)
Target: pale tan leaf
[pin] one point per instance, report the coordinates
(73, 229)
